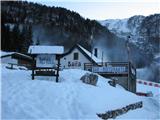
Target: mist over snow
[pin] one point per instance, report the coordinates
(144, 42)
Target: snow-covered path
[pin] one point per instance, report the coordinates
(23, 98)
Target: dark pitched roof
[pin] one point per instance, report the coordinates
(22, 57)
(19, 56)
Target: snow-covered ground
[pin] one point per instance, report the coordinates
(148, 88)
(23, 98)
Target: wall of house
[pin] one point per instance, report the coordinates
(68, 61)
(101, 53)
(123, 81)
(25, 63)
(8, 59)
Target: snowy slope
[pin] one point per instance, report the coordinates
(23, 98)
(124, 27)
(119, 25)
(151, 102)
(148, 88)
(150, 111)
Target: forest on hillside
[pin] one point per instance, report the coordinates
(22, 22)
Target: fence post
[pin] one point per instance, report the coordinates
(129, 68)
(58, 67)
(33, 66)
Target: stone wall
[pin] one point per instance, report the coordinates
(114, 113)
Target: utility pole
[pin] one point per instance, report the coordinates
(102, 58)
(128, 48)
(91, 38)
(128, 53)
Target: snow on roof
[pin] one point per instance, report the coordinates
(89, 54)
(3, 53)
(157, 55)
(45, 49)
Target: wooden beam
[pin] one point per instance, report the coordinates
(33, 66)
(58, 67)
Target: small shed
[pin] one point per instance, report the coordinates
(6, 57)
(15, 58)
(46, 60)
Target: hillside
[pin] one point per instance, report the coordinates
(144, 33)
(43, 98)
(24, 23)
(143, 30)
(52, 25)
(124, 27)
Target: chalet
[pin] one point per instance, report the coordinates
(77, 56)
(6, 57)
(15, 58)
(46, 60)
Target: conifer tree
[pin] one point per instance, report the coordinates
(27, 34)
(37, 42)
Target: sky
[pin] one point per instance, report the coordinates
(106, 9)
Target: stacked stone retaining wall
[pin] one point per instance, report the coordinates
(114, 113)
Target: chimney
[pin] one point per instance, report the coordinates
(96, 52)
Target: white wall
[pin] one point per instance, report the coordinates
(9, 60)
(69, 58)
(99, 54)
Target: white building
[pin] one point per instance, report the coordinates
(77, 56)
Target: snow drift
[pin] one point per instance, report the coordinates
(23, 98)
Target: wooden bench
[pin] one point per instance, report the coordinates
(11, 65)
(45, 72)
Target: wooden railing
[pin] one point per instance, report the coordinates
(125, 72)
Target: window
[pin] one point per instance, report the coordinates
(75, 56)
(96, 52)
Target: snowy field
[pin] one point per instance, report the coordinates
(23, 98)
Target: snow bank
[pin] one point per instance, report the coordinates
(23, 98)
(146, 88)
(150, 110)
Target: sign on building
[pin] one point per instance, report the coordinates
(111, 69)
